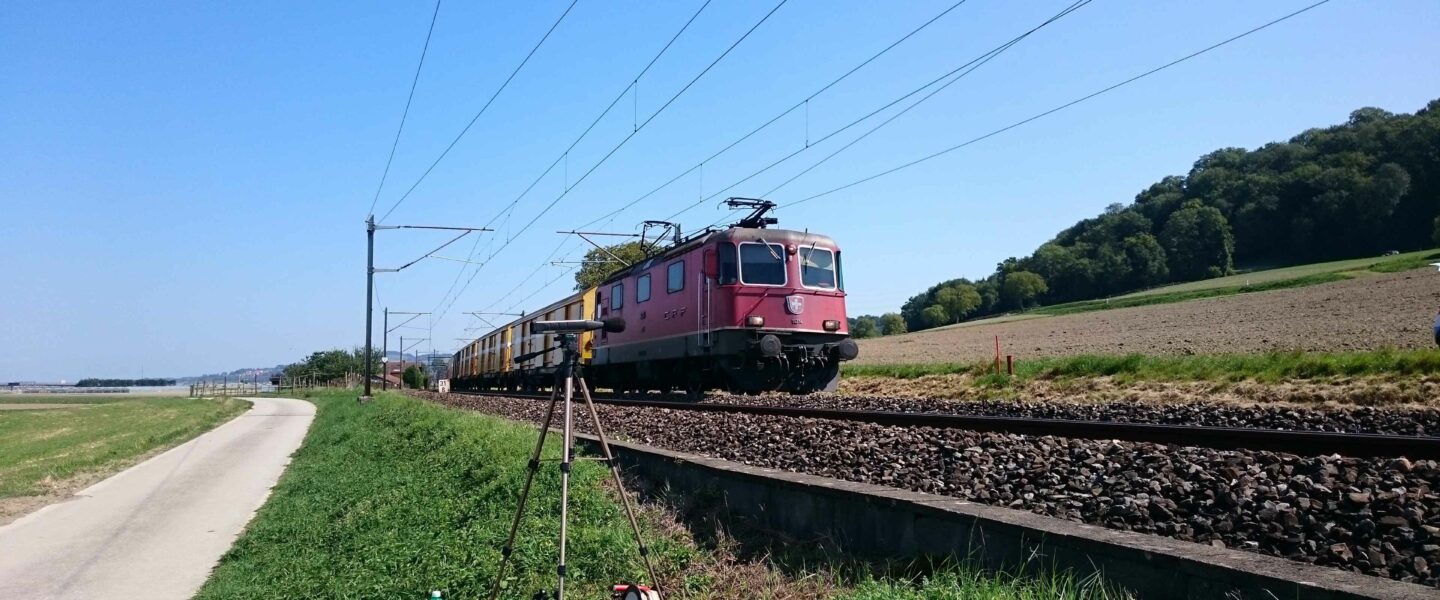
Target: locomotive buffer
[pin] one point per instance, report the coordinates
(567, 378)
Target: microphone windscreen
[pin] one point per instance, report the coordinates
(614, 324)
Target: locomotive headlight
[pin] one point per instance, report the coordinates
(755, 321)
(832, 325)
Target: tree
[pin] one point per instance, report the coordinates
(958, 300)
(864, 326)
(599, 264)
(1021, 287)
(1146, 261)
(333, 364)
(416, 377)
(1198, 242)
(892, 324)
(935, 315)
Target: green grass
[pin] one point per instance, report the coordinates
(1383, 264)
(39, 448)
(398, 497)
(973, 585)
(1186, 295)
(1405, 262)
(71, 399)
(1269, 367)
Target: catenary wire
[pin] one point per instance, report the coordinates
(467, 127)
(961, 70)
(1061, 107)
(564, 154)
(900, 113)
(406, 113)
(626, 139)
(955, 73)
(802, 103)
(611, 215)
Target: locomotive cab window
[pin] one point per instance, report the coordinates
(727, 264)
(762, 264)
(617, 296)
(675, 277)
(642, 288)
(818, 268)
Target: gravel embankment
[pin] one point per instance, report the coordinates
(1380, 517)
(1350, 419)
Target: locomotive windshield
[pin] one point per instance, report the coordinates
(817, 268)
(762, 264)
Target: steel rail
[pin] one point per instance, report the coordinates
(1306, 443)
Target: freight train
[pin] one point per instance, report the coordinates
(746, 309)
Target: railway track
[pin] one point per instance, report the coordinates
(1305, 443)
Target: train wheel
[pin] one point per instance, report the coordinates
(695, 389)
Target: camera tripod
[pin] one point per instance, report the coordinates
(567, 378)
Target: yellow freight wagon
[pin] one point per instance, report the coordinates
(491, 358)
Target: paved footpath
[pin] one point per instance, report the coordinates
(155, 530)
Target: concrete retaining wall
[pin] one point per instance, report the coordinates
(887, 522)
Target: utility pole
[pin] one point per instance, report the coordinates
(369, 302)
(385, 353)
(388, 330)
(402, 363)
(370, 271)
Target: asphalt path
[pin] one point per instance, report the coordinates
(155, 530)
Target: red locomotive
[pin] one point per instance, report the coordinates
(746, 309)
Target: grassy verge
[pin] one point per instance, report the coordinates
(1405, 262)
(40, 449)
(73, 399)
(1184, 296)
(1217, 367)
(1258, 281)
(399, 497)
(1380, 264)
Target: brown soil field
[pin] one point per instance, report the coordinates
(1394, 310)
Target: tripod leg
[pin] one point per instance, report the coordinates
(565, 486)
(619, 485)
(531, 468)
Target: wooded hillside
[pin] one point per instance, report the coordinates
(1357, 189)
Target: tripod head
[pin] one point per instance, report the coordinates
(569, 342)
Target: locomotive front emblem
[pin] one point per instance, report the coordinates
(795, 304)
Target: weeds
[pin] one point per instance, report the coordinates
(1268, 367)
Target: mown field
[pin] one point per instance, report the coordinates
(400, 497)
(48, 452)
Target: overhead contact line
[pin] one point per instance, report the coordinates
(1061, 107)
(634, 82)
(640, 126)
(406, 113)
(952, 75)
(482, 110)
(804, 103)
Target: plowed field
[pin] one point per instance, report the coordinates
(1393, 310)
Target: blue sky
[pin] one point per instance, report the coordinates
(184, 184)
